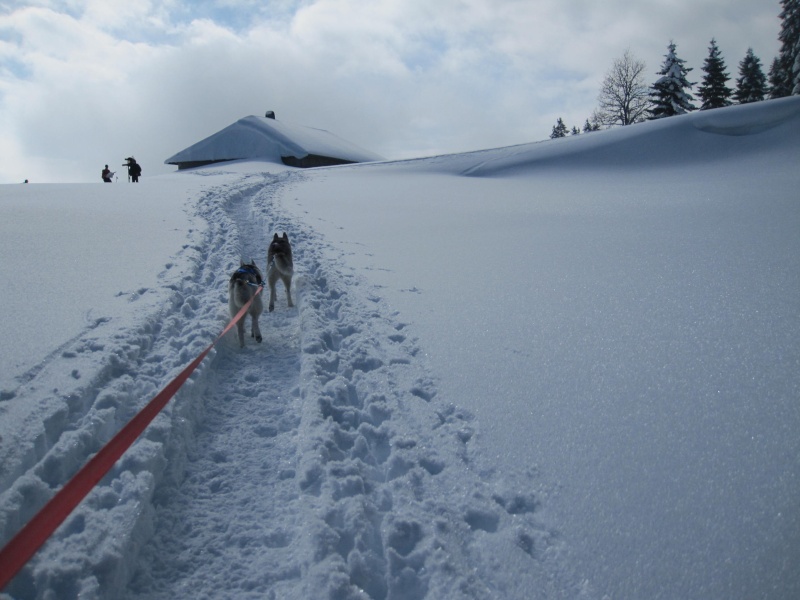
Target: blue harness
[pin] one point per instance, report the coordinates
(249, 270)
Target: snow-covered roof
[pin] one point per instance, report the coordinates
(270, 139)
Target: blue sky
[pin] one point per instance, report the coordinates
(89, 82)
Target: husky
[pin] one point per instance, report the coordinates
(280, 266)
(241, 288)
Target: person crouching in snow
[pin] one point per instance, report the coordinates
(107, 175)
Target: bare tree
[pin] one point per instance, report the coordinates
(624, 96)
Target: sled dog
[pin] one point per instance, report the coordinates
(242, 286)
(280, 266)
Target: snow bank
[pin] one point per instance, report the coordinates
(666, 143)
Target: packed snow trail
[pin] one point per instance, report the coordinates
(241, 460)
(325, 466)
(225, 508)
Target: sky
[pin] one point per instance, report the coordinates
(88, 83)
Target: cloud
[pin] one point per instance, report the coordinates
(84, 83)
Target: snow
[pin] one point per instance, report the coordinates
(564, 369)
(269, 139)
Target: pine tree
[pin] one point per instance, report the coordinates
(589, 127)
(713, 91)
(559, 130)
(788, 79)
(668, 96)
(751, 85)
(575, 131)
(777, 80)
(796, 69)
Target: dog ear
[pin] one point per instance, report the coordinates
(275, 238)
(286, 237)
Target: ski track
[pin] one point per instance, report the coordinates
(321, 463)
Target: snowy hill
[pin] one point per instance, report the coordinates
(563, 369)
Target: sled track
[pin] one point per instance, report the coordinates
(221, 507)
(225, 506)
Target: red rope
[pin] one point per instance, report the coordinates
(32, 536)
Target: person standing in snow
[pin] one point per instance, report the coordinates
(134, 169)
(107, 174)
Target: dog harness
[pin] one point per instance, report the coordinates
(249, 270)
